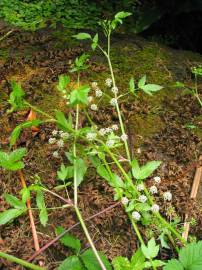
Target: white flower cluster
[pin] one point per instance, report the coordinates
(167, 196)
(136, 215)
(108, 130)
(94, 107)
(98, 92)
(157, 179)
(153, 190)
(142, 198)
(115, 90)
(108, 82)
(124, 137)
(91, 136)
(140, 187)
(113, 102)
(59, 138)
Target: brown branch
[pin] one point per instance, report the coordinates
(195, 186)
(69, 229)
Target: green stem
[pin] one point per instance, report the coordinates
(6, 35)
(39, 111)
(75, 156)
(20, 261)
(83, 225)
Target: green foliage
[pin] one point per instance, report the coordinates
(190, 258)
(148, 88)
(81, 261)
(65, 172)
(43, 215)
(17, 130)
(141, 173)
(62, 122)
(10, 214)
(16, 97)
(79, 96)
(69, 240)
(12, 161)
(151, 250)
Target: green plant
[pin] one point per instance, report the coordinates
(82, 260)
(103, 148)
(190, 258)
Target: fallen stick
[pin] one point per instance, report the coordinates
(69, 229)
(32, 224)
(195, 186)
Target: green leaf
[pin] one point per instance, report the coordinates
(71, 263)
(81, 169)
(131, 206)
(11, 161)
(137, 260)
(146, 170)
(121, 263)
(79, 95)
(43, 215)
(95, 42)
(91, 263)
(10, 214)
(142, 82)
(142, 207)
(132, 85)
(149, 88)
(25, 193)
(16, 97)
(163, 240)
(155, 263)
(191, 256)
(62, 122)
(65, 172)
(69, 240)
(81, 36)
(64, 80)
(15, 202)
(173, 265)
(17, 130)
(122, 14)
(151, 250)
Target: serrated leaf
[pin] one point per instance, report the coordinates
(150, 88)
(137, 260)
(142, 207)
(142, 82)
(173, 265)
(131, 206)
(163, 241)
(91, 262)
(121, 263)
(81, 169)
(69, 240)
(62, 122)
(64, 80)
(191, 256)
(17, 154)
(65, 172)
(95, 42)
(145, 171)
(43, 215)
(9, 215)
(79, 95)
(15, 202)
(11, 161)
(132, 85)
(151, 250)
(81, 36)
(71, 263)
(16, 96)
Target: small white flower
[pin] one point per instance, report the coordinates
(52, 140)
(155, 208)
(167, 196)
(108, 82)
(115, 127)
(94, 84)
(60, 143)
(140, 187)
(98, 93)
(108, 130)
(90, 99)
(110, 143)
(153, 190)
(55, 154)
(124, 137)
(136, 215)
(157, 179)
(124, 200)
(91, 136)
(64, 96)
(94, 107)
(142, 198)
(64, 135)
(102, 131)
(60, 132)
(115, 90)
(54, 132)
(113, 101)
(139, 151)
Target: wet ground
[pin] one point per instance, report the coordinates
(156, 128)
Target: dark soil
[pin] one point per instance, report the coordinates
(156, 126)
